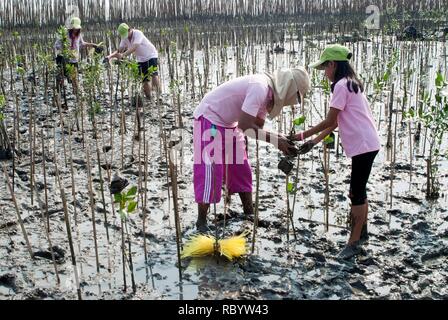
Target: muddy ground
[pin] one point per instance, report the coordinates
(405, 258)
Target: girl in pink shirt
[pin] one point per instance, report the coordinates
(350, 111)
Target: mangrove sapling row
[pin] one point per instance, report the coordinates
(434, 117)
(173, 13)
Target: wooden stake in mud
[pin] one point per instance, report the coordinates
(145, 198)
(68, 228)
(131, 264)
(31, 146)
(62, 126)
(92, 205)
(44, 171)
(297, 184)
(173, 174)
(327, 186)
(19, 217)
(72, 175)
(46, 221)
(257, 200)
(103, 199)
(123, 255)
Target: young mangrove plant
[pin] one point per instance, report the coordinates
(434, 117)
(384, 79)
(65, 69)
(126, 206)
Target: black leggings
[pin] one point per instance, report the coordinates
(361, 168)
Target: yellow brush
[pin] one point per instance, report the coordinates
(202, 245)
(205, 245)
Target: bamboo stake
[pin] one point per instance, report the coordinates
(19, 217)
(46, 222)
(68, 228)
(257, 200)
(174, 189)
(144, 208)
(72, 175)
(92, 205)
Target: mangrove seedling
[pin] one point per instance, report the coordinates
(382, 80)
(435, 119)
(329, 141)
(127, 206)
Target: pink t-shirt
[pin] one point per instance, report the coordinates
(356, 127)
(223, 105)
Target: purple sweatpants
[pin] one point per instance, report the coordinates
(219, 157)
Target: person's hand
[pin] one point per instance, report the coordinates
(287, 147)
(306, 147)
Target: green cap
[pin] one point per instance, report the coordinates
(75, 23)
(123, 30)
(334, 52)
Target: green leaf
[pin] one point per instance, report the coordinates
(117, 197)
(20, 70)
(299, 121)
(291, 188)
(132, 192)
(328, 140)
(128, 198)
(132, 206)
(439, 80)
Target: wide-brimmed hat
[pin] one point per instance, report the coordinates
(285, 84)
(75, 23)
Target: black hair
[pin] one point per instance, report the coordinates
(71, 33)
(345, 70)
